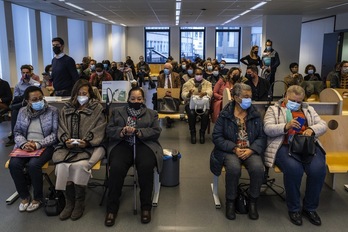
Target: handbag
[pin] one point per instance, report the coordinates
(168, 105)
(199, 103)
(242, 200)
(54, 202)
(302, 148)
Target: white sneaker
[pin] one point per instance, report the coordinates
(23, 206)
(33, 206)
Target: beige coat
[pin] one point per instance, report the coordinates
(190, 84)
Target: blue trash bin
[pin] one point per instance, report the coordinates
(170, 174)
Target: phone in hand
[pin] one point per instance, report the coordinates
(75, 142)
(301, 121)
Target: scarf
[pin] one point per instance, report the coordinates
(132, 122)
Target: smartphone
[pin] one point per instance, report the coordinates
(301, 121)
(75, 142)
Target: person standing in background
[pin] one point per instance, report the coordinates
(253, 58)
(64, 74)
(270, 61)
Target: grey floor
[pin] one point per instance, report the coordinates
(186, 207)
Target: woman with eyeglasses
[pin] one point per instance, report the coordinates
(281, 122)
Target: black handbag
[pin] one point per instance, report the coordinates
(302, 148)
(242, 200)
(54, 202)
(168, 105)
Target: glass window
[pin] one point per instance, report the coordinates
(228, 44)
(76, 44)
(46, 37)
(192, 44)
(256, 37)
(157, 44)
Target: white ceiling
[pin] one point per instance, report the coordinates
(162, 12)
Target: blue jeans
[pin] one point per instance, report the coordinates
(233, 166)
(292, 173)
(34, 171)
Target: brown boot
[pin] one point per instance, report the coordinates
(80, 195)
(69, 202)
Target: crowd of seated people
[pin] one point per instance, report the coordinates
(198, 78)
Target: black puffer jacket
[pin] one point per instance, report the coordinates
(225, 135)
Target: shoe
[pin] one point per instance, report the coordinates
(230, 211)
(202, 137)
(312, 216)
(253, 214)
(193, 137)
(79, 207)
(145, 216)
(110, 219)
(11, 142)
(168, 122)
(34, 205)
(296, 218)
(23, 205)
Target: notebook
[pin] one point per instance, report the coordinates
(21, 153)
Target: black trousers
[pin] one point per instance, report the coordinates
(192, 115)
(121, 159)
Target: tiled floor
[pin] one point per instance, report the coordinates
(186, 207)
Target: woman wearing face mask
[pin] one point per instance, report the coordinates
(190, 67)
(215, 77)
(99, 76)
(81, 132)
(239, 140)
(36, 128)
(125, 123)
(208, 70)
(201, 87)
(311, 73)
(280, 124)
(253, 58)
(232, 77)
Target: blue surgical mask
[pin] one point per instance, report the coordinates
(216, 73)
(39, 105)
(310, 71)
(246, 103)
(105, 66)
(293, 106)
(183, 66)
(190, 72)
(269, 48)
(93, 67)
(210, 68)
(166, 71)
(78, 71)
(222, 65)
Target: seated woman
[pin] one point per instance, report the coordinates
(310, 70)
(36, 128)
(239, 140)
(231, 78)
(125, 123)
(280, 123)
(81, 131)
(200, 87)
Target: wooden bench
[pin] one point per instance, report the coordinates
(155, 70)
(344, 94)
(335, 144)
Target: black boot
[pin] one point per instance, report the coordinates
(253, 214)
(193, 137)
(230, 211)
(202, 137)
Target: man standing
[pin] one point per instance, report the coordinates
(259, 86)
(64, 74)
(270, 61)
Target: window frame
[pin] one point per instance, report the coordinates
(146, 30)
(184, 29)
(239, 40)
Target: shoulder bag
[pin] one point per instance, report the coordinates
(302, 148)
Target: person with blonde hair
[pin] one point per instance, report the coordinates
(253, 58)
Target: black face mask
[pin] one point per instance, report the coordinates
(56, 50)
(235, 78)
(135, 105)
(248, 76)
(256, 52)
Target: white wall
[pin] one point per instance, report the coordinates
(312, 40)
(135, 43)
(341, 22)
(118, 43)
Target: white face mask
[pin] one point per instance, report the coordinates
(82, 99)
